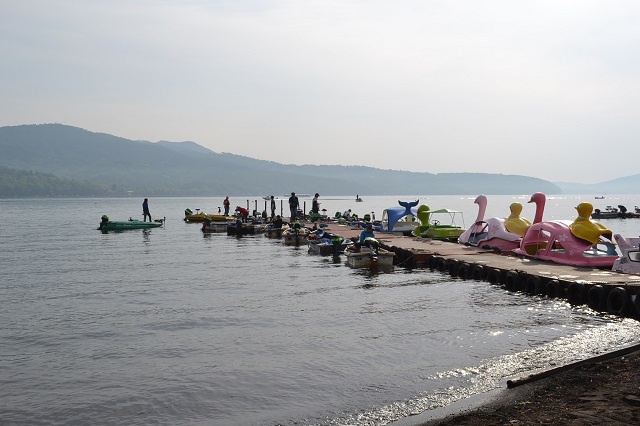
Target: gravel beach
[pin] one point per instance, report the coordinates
(594, 393)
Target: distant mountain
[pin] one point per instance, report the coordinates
(188, 169)
(623, 185)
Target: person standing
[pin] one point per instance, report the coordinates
(315, 205)
(226, 203)
(273, 207)
(145, 210)
(293, 206)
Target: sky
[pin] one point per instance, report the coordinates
(548, 89)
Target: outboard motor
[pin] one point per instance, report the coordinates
(103, 222)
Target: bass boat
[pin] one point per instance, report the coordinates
(112, 225)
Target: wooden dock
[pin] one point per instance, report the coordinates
(600, 289)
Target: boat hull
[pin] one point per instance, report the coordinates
(292, 239)
(365, 259)
(129, 224)
(245, 229)
(273, 233)
(326, 249)
(212, 227)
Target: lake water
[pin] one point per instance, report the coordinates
(170, 326)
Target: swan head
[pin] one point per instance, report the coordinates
(480, 198)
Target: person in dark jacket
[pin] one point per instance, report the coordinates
(294, 204)
(145, 209)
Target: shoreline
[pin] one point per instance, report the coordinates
(593, 392)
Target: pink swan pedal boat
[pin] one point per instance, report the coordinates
(582, 243)
(492, 233)
(629, 260)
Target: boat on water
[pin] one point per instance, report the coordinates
(609, 212)
(579, 243)
(615, 213)
(190, 216)
(369, 257)
(296, 236)
(441, 224)
(114, 225)
(325, 243)
(210, 226)
(271, 232)
(601, 197)
(238, 228)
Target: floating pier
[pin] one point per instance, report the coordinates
(602, 290)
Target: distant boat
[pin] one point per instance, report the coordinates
(601, 197)
(358, 199)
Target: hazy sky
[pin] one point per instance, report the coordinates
(549, 89)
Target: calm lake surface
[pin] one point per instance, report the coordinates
(170, 326)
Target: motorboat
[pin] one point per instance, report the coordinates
(238, 228)
(271, 232)
(190, 216)
(369, 257)
(210, 225)
(326, 243)
(114, 225)
(609, 212)
(295, 236)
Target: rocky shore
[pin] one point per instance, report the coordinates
(594, 393)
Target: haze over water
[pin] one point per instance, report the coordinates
(170, 326)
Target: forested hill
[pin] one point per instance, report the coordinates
(118, 165)
(22, 183)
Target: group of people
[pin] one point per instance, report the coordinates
(366, 236)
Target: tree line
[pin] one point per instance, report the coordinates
(27, 183)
